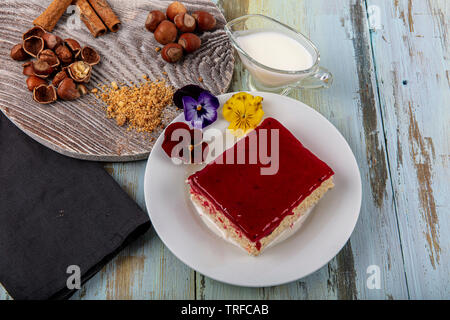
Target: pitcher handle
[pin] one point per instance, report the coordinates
(322, 78)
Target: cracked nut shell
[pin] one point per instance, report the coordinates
(64, 54)
(90, 56)
(51, 41)
(50, 57)
(59, 77)
(80, 71)
(18, 54)
(33, 45)
(28, 69)
(74, 46)
(35, 31)
(42, 69)
(82, 89)
(67, 90)
(44, 94)
(33, 82)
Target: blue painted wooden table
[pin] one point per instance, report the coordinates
(391, 101)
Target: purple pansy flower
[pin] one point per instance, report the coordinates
(202, 111)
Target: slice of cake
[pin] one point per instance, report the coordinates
(252, 207)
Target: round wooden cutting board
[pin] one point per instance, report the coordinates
(80, 128)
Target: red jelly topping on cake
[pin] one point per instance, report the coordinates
(254, 202)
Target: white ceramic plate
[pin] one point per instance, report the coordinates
(321, 237)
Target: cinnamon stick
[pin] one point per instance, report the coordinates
(50, 17)
(105, 13)
(90, 18)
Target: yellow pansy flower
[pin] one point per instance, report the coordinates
(244, 112)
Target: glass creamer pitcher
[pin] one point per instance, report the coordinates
(263, 77)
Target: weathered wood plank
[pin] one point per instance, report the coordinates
(80, 128)
(146, 269)
(414, 164)
(340, 30)
(412, 53)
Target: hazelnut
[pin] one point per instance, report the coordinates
(42, 69)
(67, 90)
(190, 42)
(185, 22)
(154, 19)
(50, 57)
(90, 56)
(59, 77)
(44, 94)
(172, 52)
(175, 8)
(74, 46)
(64, 54)
(166, 32)
(33, 45)
(33, 82)
(35, 31)
(82, 89)
(205, 20)
(18, 54)
(80, 71)
(28, 69)
(51, 41)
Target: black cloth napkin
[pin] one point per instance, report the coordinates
(56, 212)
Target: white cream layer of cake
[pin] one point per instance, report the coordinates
(285, 234)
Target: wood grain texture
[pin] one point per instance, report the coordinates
(80, 128)
(412, 53)
(339, 29)
(390, 101)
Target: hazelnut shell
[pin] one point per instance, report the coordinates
(64, 54)
(35, 31)
(90, 56)
(74, 71)
(205, 20)
(67, 90)
(190, 42)
(51, 41)
(166, 32)
(33, 82)
(44, 94)
(50, 57)
(185, 22)
(18, 54)
(59, 77)
(74, 46)
(172, 52)
(175, 8)
(42, 69)
(28, 69)
(33, 45)
(154, 18)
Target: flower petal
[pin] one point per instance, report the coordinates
(190, 108)
(190, 90)
(209, 117)
(208, 101)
